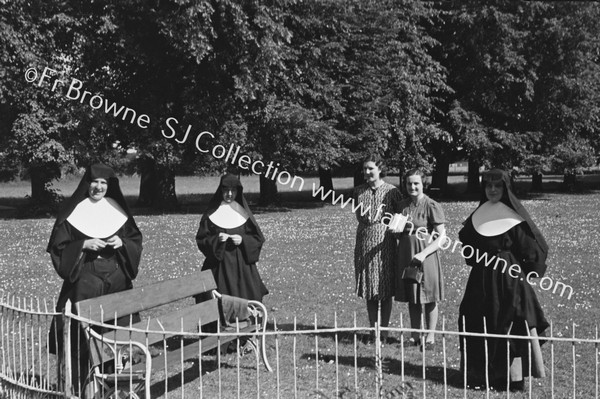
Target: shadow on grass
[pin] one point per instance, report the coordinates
(392, 365)
(172, 383)
(454, 378)
(210, 363)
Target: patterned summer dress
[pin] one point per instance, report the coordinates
(374, 253)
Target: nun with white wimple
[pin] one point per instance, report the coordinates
(508, 249)
(231, 240)
(95, 244)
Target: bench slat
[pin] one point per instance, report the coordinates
(136, 300)
(122, 304)
(205, 312)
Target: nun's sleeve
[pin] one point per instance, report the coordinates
(66, 252)
(466, 237)
(252, 242)
(208, 242)
(529, 253)
(130, 253)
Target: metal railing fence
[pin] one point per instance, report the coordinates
(309, 359)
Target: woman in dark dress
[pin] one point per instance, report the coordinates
(95, 248)
(231, 240)
(508, 249)
(419, 243)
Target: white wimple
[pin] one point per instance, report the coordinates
(229, 215)
(98, 219)
(494, 219)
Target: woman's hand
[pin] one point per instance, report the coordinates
(236, 238)
(115, 242)
(94, 244)
(223, 237)
(420, 257)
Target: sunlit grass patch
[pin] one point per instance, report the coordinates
(307, 264)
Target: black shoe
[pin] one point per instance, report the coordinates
(517, 386)
(412, 342)
(368, 339)
(514, 386)
(429, 346)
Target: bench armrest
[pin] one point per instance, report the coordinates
(118, 348)
(256, 309)
(259, 307)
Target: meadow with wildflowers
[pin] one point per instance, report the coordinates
(307, 264)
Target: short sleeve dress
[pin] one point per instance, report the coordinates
(375, 248)
(424, 215)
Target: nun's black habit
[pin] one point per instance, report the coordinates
(233, 266)
(87, 273)
(502, 234)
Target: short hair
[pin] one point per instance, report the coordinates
(379, 162)
(415, 172)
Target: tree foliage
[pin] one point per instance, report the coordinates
(525, 77)
(309, 85)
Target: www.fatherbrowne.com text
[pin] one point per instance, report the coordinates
(233, 154)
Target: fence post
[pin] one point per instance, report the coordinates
(378, 363)
(66, 316)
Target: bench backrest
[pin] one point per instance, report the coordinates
(136, 300)
(108, 308)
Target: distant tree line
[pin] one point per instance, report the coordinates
(310, 84)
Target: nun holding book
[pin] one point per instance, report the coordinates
(95, 246)
(231, 240)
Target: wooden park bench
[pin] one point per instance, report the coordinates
(113, 346)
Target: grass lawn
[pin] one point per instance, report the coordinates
(307, 264)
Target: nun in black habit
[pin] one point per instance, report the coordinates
(502, 231)
(231, 240)
(95, 247)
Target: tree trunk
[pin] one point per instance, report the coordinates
(165, 197)
(439, 177)
(473, 176)
(536, 182)
(570, 181)
(44, 200)
(268, 191)
(147, 171)
(359, 177)
(157, 186)
(39, 179)
(325, 179)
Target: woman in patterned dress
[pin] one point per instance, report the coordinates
(375, 245)
(419, 243)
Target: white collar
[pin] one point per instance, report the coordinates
(495, 219)
(229, 215)
(98, 219)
